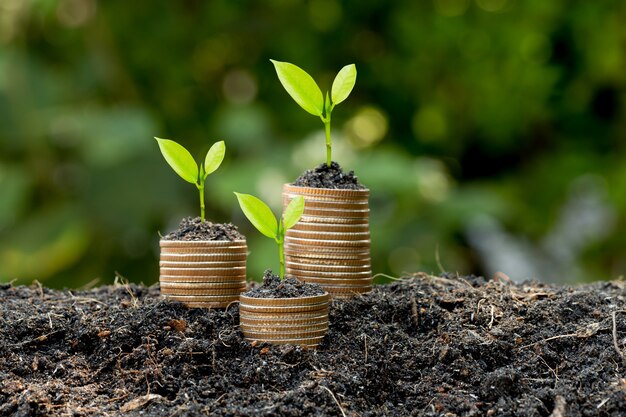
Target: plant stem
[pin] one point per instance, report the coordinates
(281, 255)
(281, 249)
(329, 148)
(201, 189)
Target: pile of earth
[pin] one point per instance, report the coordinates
(424, 345)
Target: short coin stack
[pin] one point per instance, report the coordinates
(330, 245)
(210, 274)
(296, 321)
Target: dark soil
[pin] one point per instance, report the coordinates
(273, 287)
(324, 176)
(195, 229)
(432, 346)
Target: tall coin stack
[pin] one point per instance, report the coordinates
(330, 245)
(209, 274)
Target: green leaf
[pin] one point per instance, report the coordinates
(293, 212)
(300, 86)
(259, 214)
(343, 84)
(214, 158)
(179, 159)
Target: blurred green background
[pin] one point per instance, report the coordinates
(491, 132)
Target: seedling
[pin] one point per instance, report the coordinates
(184, 165)
(305, 91)
(261, 217)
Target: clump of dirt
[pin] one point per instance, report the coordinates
(332, 176)
(424, 345)
(195, 229)
(274, 287)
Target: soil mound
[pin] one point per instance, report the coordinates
(324, 176)
(274, 287)
(195, 229)
(424, 345)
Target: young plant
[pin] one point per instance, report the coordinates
(261, 217)
(303, 89)
(184, 165)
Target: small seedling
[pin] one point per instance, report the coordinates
(261, 217)
(305, 91)
(184, 165)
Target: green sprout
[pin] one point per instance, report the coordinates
(261, 217)
(303, 89)
(184, 165)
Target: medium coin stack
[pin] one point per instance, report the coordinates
(296, 321)
(330, 245)
(209, 274)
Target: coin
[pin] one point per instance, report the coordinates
(364, 243)
(202, 298)
(325, 192)
(210, 286)
(203, 272)
(330, 227)
(213, 244)
(233, 292)
(203, 257)
(203, 264)
(284, 302)
(333, 204)
(338, 236)
(205, 280)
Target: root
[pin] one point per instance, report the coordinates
(615, 344)
(336, 401)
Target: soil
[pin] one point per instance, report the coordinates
(332, 177)
(274, 287)
(195, 229)
(425, 345)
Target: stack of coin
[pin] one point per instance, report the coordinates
(208, 274)
(299, 321)
(330, 245)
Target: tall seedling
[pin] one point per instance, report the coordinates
(261, 217)
(184, 165)
(305, 91)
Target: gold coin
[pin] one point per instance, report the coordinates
(202, 298)
(329, 227)
(233, 292)
(333, 213)
(233, 279)
(278, 334)
(203, 272)
(365, 243)
(209, 244)
(283, 309)
(304, 316)
(328, 274)
(342, 220)
(285, 302)
(202, 285)
(205, 257)
(213, 265)
(303, 262)
(325, 192)
(210, 305)
(252, 320)
(361, 257)
(276, 327)
(339, 236)
(311, 343)
(329, 282)
(332, 204)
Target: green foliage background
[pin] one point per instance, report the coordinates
(491, 132)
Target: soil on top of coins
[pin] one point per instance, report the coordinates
(324, 176)
(274, 287)
(195, 229)
(424, 345)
